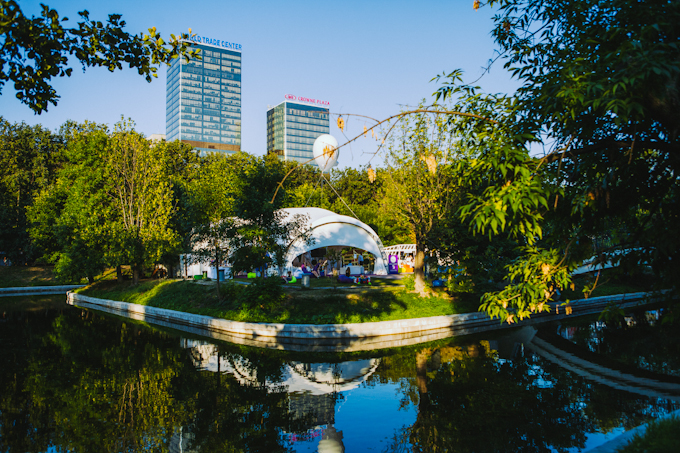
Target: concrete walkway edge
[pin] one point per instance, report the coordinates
(37, 290)
(469, 322)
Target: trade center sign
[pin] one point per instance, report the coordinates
(290, 97)
(216, 42)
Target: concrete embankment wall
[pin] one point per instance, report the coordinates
(37, 290)
(343, 337)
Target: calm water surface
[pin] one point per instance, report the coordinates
(81, 381)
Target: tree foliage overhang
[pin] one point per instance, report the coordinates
(35, 50)
(600, 91)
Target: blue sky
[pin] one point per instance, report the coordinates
(371, 58)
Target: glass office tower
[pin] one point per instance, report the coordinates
(203, 100)
(292, 129)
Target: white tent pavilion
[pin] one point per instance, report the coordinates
(328, 229)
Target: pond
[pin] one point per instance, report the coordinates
(79, 380)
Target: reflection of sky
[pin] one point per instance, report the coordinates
(594, 440)
(368, 418)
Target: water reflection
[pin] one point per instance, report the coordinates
(640, 339)
(75, 380)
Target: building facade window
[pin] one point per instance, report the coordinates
(203, 100)
(292, 129)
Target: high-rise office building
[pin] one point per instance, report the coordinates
(292, 128)
(203, 100)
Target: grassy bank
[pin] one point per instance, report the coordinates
(325, 302)
(315, 306)
(19, 276)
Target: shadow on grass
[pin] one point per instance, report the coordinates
(298, 306)
(328, 307)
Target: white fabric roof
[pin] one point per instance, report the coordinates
(330, 229)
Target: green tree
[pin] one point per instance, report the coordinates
(35, 50)
(212, 200)
(140, 193)
(420, 188)
(599, 90)
(30, 158)
(260, 233)
(181, 164)
(70, 218)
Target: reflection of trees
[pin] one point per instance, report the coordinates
(19, 417)
(652, 346)
(107, 387)
(83, 382)
(233, 417)
(469, 400)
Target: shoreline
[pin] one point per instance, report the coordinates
(345, 337)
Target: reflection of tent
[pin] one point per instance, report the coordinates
(330, 229)
(309, 378)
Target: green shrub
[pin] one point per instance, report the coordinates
(262, 292)
(409, 282)
(662, 436)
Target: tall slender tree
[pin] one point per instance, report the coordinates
(141, 197)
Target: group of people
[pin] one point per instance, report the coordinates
(317, 269)
(360, 280)
(305, 269)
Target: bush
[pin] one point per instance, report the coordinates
(262, 292)
(409, 282)
(660, 437)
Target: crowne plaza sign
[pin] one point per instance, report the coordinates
(290, 97)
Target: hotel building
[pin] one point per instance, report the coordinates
(203, 99)
(292, 128)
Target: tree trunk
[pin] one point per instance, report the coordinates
(419, 271)
(217, 272)
(421, 370)
(119, 274)
(135, 274)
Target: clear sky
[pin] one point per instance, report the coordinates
(365, 57)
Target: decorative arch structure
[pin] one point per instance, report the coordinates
(329, 229)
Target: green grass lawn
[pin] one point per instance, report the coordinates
(18, 276)
(330, 282)
(298, 305)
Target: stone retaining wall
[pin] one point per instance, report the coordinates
(343, 337)
(38, 290)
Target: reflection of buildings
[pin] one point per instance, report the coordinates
(313, 389)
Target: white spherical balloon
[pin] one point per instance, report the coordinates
(326, 152)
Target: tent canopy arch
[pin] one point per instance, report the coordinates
(328, 229)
